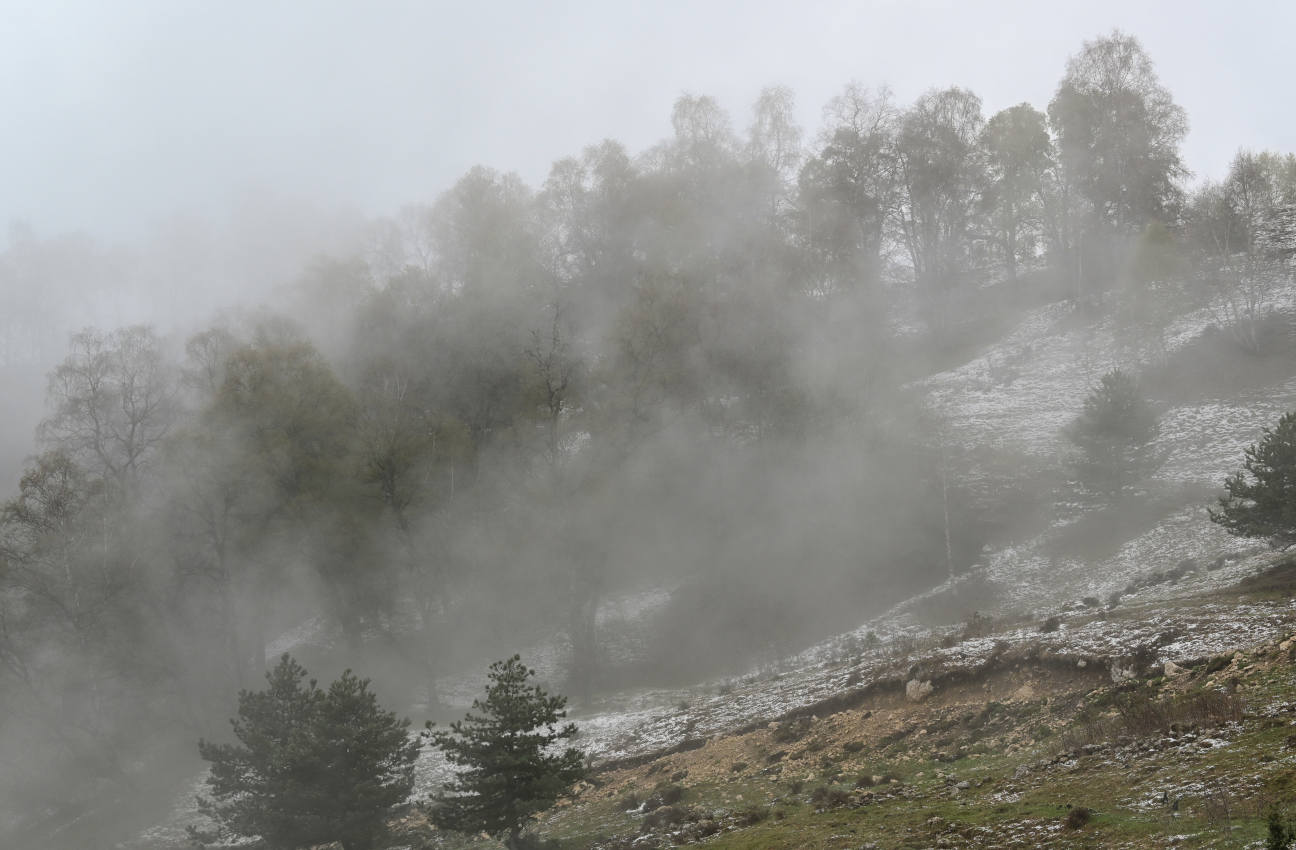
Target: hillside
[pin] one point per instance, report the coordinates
(1130, 659)
(1167, 721)
(876, 458)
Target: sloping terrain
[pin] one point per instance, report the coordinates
(1169, 723)
(976, 713)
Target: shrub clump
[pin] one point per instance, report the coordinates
(1078, 817)
(670, 794)
(790, 731)
(827, 797)
(667, 816)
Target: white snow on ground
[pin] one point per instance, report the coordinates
(1023, 390)
(1205, 441)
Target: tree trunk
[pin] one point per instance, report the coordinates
(582, 631)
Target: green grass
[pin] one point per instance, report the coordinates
(1224, 792)
(985, 813)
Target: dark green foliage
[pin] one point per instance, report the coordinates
(1261, 499)
(1078, 817)
(503, 748)
(1113, 433)
(1281, 833)
(311, 766)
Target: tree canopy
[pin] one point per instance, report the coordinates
(310, 766)
(1113, 432)
(1261, 497)
(504, 748)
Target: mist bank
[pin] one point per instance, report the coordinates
(688, 373)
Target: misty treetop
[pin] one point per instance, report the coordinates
(691, 370)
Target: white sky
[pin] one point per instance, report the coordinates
(115, 114)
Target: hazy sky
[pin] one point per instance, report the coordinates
(115, 114)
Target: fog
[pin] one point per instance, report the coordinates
(121, 116)
(404, 338)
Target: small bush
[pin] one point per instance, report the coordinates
(667, 816)
(1052, 624)
(1281, 833)
(853, 746)
(670, 794)
(1145, 716)
(1139, 713)
(796, 786)
(978, 625)
(663, 795)
(630, 801)
(1078, 817)
(1218, 807)
(1219, 662)
(790, 731)
(828, 797)
(738, 767)
(752, 815)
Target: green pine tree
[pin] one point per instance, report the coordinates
(1113, 433)
(504, 749)
(311, 766)
(1261, 498)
